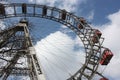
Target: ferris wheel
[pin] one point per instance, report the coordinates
(95, 53)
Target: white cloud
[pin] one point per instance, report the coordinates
(17, 1)
(70, 5)
(57, 55)
(91, 15)
(48, 2)
(111, 32)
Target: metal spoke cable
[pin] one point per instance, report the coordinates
(67, 58)
(58, 56)
(103, 69)
(61, 58)
(58, 48)
(50, 67)
(58, 59)
(44, 30)
(60, 43)
(57, 66)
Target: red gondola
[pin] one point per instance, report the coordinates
(103, 79)
(2, 9)
(24, 8)
(80, 26)
(106, 57)
(82, 20)
(96, 36)
(63, 15)
(44, 12)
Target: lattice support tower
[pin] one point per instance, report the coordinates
(16, 44)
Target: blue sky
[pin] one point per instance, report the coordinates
(101, 9)
(102, 14)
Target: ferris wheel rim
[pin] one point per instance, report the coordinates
(66, 22)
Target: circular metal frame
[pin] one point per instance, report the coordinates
(92, 50)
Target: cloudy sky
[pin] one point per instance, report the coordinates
(60, 51)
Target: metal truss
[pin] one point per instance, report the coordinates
(85, 32)
(16, 44)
